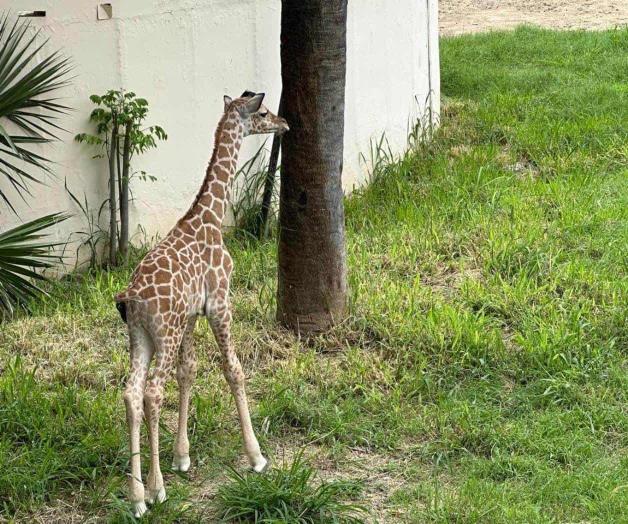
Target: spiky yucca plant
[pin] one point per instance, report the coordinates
(28, 110)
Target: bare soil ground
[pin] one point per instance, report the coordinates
(470, 16)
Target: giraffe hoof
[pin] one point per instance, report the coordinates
(139, 508)
(181, 463)
(261, 466)
(158, 496)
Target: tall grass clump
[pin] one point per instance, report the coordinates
(287, 494)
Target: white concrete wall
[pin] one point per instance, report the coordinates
(183, 55)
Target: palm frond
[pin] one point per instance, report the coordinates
(24, 249)
(27, 111)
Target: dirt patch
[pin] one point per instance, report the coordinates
(471, 16)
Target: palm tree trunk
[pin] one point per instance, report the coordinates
(113, 223)
(124, 193)
(312, 285)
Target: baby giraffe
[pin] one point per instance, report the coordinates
(183, 277)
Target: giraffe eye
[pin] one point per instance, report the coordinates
(265, 113)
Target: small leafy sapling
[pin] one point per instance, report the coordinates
(120, 135)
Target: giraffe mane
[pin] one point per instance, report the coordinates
(205, 184)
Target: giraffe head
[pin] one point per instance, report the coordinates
(255, 117)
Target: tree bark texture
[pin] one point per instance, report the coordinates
(312, 285)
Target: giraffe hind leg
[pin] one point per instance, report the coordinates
(166, 349)
(141, 352)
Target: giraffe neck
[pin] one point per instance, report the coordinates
(211, 201)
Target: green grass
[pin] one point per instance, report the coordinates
(482, 375)
(286, 494)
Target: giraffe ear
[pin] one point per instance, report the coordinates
(227, 100)
(254, 103)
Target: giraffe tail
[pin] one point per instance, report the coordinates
(129, 294)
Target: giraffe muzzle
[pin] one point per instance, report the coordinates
(284, 128)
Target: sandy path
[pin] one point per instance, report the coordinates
(469, 16)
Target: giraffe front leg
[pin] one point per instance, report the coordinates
(232, 369)
(186, 373)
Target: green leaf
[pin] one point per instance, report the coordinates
(22, 250)
(27, 78)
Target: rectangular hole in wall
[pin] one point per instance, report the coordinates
(104, 11)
